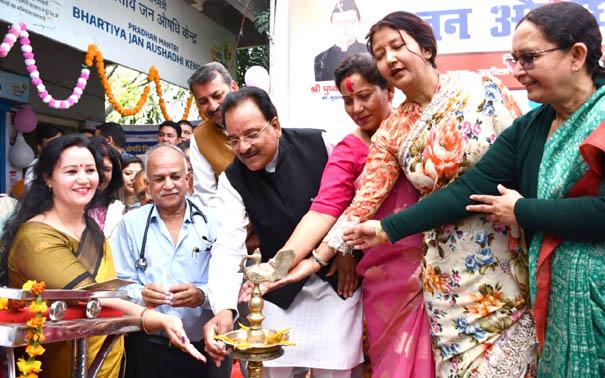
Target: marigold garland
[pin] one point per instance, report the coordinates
(187, 108)
(153, 76)
(367, 366)
(31, 367)
(18, 31)
(34, 336)
(92, 53)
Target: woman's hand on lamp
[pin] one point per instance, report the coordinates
(365, 235)
(302, 270)
(499, 209)
(246, 290)
(306, 267)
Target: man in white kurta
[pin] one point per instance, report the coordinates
(208, 85)
(327, 329)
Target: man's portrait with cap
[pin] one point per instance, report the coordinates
(345, 21)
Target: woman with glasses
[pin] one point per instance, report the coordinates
(474, 271)
(544, 173)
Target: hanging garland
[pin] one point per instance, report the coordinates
(19, 31)
(93, 53)
(30, 367)
(187, 108)
(155, 77)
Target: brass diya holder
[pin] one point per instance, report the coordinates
(259, 349)
(255, 344)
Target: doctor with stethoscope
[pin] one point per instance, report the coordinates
(165, 248)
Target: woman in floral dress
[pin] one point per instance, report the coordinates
(474, 272)
(545, 174)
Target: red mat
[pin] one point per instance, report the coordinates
(73, 312)
(235, 370)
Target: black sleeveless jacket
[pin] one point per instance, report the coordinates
(276, 202)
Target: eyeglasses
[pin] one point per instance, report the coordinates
(249, 137)
(526, 59)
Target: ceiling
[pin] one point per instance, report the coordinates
(231, 13)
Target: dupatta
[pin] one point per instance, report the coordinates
(568, 310)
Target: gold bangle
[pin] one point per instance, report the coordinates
(143, 321)
(378, 232)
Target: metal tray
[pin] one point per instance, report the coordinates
(13, 334)
(61, 295)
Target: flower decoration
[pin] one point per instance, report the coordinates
(155, 77)
(93, 53)
(10, 38)
(367, 367)
(11, 305)
(30, 367)
(187, 108)
(19, 32)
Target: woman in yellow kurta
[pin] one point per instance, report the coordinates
(51, 239)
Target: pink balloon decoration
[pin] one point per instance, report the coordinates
(26, 120)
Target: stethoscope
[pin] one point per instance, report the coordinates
(141, 263)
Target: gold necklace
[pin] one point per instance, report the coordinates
(74, 234)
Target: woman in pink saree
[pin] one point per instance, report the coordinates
(399, 343)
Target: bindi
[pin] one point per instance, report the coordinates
(349, 84)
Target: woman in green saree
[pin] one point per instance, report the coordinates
(544, 173)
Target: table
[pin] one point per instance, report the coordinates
(12, 335)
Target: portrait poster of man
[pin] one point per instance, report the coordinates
(344, 19)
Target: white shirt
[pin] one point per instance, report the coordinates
(224, 280)
(7, 207)
(115, 214)
(204, 177)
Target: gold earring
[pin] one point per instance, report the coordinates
(575, 69)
